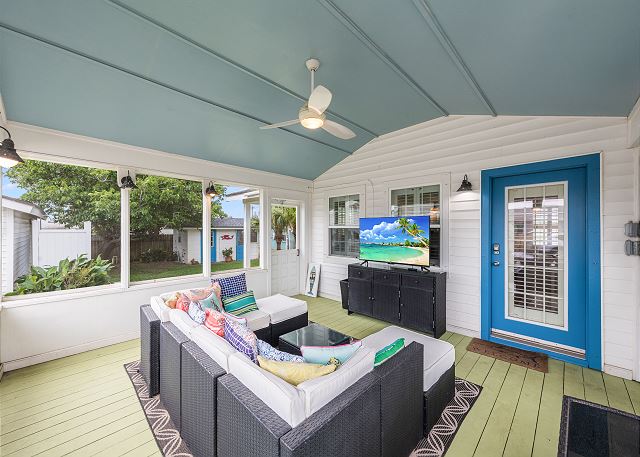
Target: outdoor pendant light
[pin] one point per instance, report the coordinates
(127, 182)
(211, 190)
(466, 185)
(8, 154)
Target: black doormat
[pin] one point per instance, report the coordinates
(591, 430)
(442, 434)
(434, 445)
(528, 359)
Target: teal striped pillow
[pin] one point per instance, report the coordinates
(240, 304)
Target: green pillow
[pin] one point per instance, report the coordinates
(388, 351)
(240, 304)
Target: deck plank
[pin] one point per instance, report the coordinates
(594, 388)
(633, 388)
(548, 425)
(573, 381)
(617, 394)
(523, 427)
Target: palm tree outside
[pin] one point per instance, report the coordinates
(283, 219)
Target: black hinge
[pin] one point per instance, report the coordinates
(398, 316)
(398, 292)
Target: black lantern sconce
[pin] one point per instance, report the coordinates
(211, 190)
(466, 185)
(127, 182)
(8, 154)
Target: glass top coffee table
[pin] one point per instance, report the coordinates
(311, 335)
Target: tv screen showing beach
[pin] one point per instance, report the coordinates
(395, 240)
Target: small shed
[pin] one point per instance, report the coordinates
(17, 238)
(227, 232)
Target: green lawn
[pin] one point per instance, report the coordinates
(156, 270)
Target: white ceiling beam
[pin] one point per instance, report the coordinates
(133, 12)
(633, 126)
(432, 21)
(383, 56)
(3, 113)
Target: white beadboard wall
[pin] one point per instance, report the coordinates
(458, 145)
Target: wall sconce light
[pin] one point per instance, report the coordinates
(127, 182)
(211, 190)
(466, 185)
(8, 154)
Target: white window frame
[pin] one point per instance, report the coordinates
(442, 180)
(341, 192)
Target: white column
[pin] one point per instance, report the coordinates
(247, 234)
(206, 232)
(124, 237)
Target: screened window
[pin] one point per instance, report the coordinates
(344, 232)
(421, 201)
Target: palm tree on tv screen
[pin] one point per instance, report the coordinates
(411, 228)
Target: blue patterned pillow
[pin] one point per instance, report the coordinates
(232, 285)
(196, 312)
(269, 352)
(241, 338)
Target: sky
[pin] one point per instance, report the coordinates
(233, 208)
(386, 229)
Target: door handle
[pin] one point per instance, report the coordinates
(496, 263)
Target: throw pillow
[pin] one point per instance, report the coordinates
(215, 285)
(322, 354)
(183, 302)
(211, 302)
(214, 321)
(295, 373)
(241, 338)
(232, 285)
(269, 352)
(171, 301)
(240, 304)
(389, 351)
(200, 294)
(196, 313)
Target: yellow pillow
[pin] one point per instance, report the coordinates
(295, 372)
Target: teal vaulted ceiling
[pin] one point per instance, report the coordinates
(198, 77)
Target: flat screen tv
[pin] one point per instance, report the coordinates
(403, 240)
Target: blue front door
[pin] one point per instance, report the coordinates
(538, 260)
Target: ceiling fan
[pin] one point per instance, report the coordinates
(311, 115)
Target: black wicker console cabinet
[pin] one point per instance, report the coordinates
(411, 299)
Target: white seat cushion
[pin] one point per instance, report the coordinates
(284, 399)
(281, 308)
(213, 345)
(439, 355)
(320, 391)
(161, 310)
(257, 320)
(182, 320)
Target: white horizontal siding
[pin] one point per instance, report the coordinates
(22, 258)
(460, 145)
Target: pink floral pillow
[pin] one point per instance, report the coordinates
(214, 321)
(183, 302)
(200, 294)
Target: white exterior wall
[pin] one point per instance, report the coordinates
(7, 250)
(187, 244)
(443, 150)
(22, 244)
(224, 244)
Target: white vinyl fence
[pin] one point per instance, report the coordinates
(54, 242)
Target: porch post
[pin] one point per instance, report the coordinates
(125, 229)
(247, 234)
(206, 232)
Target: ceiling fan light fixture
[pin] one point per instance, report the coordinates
(312, 122)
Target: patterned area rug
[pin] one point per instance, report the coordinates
(442, 434)
(434, 445)
(528, 359)
(166, 435)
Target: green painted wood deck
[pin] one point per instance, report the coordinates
(85, 405)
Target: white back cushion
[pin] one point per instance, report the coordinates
(182, 320)
(284, 399)
(213, 345)
(320, 391)
(161, 310)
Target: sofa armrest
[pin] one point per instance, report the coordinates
(245, 425)
(171, 340)
(401, 403)
(349, 425)
(150, 349)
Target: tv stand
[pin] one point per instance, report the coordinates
(412, 299)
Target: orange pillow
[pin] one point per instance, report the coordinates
(214, 321)
(171, 302)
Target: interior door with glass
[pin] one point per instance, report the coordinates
(285, 253)
(538, 260)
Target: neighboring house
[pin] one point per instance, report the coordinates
(186, 243)
(17, 238)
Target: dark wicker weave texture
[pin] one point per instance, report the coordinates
(199, 376)
(150, 348)
(349, 426)
(438, 397)
(264, 334)
(401, 406)
(246, 426)
(171, 340)
(287, 326)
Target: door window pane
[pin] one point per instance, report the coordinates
(535, 253)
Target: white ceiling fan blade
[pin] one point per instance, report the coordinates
(279, 124)
(338, 130)
(319, 99)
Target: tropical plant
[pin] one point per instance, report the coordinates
(412, 229)
(68, 274)
(283, 219)
(227, 252)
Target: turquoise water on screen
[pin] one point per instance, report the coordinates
(380, 253)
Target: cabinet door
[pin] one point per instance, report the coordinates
(360, 296)
(416, 308)
(385, 302)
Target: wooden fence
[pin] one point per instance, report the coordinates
(137, 246)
